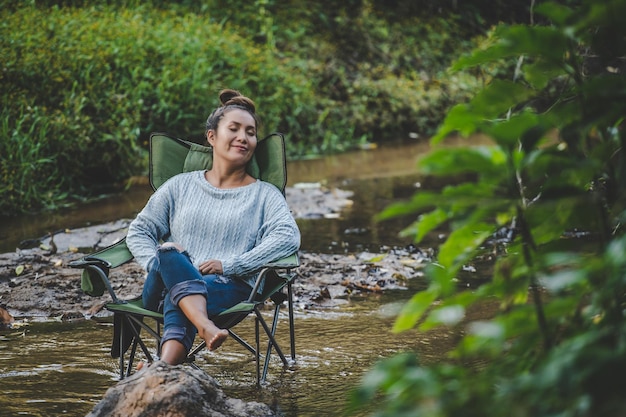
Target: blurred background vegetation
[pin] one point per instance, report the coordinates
(83, 83)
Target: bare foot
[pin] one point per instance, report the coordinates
(217, 340)
(141, 364)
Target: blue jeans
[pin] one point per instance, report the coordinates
(171, 277)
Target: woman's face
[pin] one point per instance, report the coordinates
(235, 138)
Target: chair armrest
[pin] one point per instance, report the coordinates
(95, 276)
(96, 266)
(89, 260)
(291, 261)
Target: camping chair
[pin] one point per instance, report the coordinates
(168, 157)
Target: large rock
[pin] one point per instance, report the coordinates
(161, 390)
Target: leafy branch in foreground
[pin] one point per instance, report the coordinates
(553, 179)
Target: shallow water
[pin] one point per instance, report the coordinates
(55, 368)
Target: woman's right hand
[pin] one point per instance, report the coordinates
(173, 245)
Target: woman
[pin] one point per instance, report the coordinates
(220, 226)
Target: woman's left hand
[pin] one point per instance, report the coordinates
(212, 266)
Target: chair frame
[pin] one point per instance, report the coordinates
(129, 315)
(132, 319)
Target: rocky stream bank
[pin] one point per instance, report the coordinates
(36, 282)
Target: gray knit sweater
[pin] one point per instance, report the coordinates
(245, 228)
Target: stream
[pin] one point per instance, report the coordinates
(64, 368)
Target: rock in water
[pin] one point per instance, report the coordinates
(161, 390)
(5, 318)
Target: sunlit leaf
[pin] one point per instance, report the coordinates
(490, 103)
(19, 269)
(448, 315)
(562, 280)
(377, 258)
(487, 330)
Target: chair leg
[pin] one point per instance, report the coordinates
(243, 342)
(292, 332)
(121, 348)
(256, 354)
(158, 326)
(135, 325)
(131, 359)
(270, 343)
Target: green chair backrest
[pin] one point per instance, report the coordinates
(170, 156)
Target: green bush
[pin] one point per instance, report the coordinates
(94, 82)
(553, 182)
(96, 79)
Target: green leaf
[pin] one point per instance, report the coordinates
(458, 119)
(419, 201)
(483, 159)
(557, 13)
(448, 315)
(462, 243)
(377, 258)
(549, 219)
(538, 41)
(428, 222)
(468, 193)
(562, 280)
(508, 133)
(489, 104)
(497, 98)
(487, 330)
(414, 309)
(541, 72)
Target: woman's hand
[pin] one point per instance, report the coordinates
(212, 266)
(174, 245)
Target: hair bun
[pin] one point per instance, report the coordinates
(230, 97)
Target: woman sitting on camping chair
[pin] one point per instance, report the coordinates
(221, 226)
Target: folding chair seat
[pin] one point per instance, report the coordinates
(168, 157)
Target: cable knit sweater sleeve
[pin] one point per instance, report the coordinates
(245, 228)
(150, 226)
(277, 237)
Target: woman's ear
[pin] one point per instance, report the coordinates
(210, 136)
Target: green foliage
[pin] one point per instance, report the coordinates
(95, 78)
(553, 178)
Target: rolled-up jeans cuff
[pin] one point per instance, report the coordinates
(179, 334)
(185, 288)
